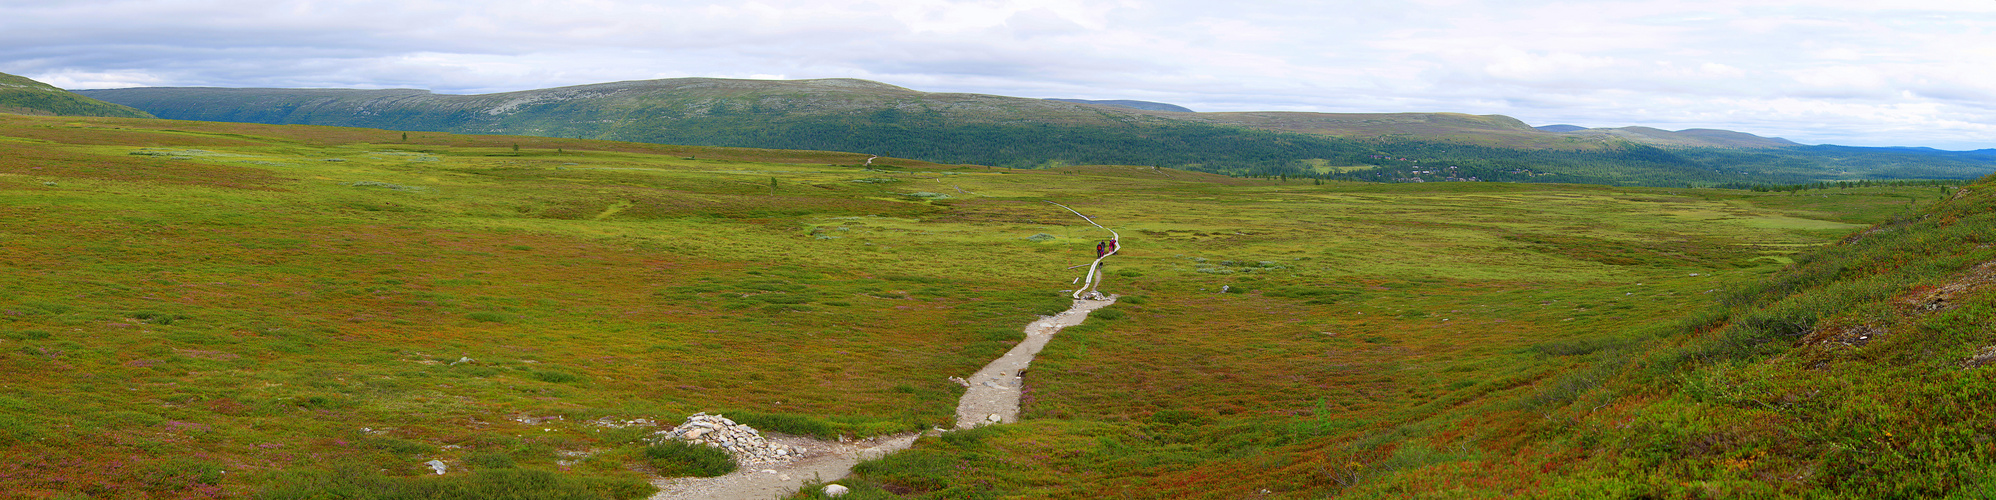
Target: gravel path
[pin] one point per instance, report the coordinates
(993, 397)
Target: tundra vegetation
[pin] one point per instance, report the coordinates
(198, 310)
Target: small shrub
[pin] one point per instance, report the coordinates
(487, 316)
(179, 473)
(352, 480)
(625, 435)
(28, 335)
(19, 429)
(322, 402)
(785, 298)
(490, 460)
(130, 419)
(1579, 346)
(557, 377)
(399, 446)
(157, 318)
(786, 423)
(680, 458)
(397, 187)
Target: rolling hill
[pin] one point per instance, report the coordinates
(23, 96)
(872, 117)
(611, 110)
(1143, 105)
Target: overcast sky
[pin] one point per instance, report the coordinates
(1863, 72)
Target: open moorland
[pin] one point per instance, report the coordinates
(200, 310)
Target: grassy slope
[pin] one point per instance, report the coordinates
(1848, 374)
(1853, 373)
(19, 95)
(286, 304)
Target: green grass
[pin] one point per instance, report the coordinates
(258, 320)
(680, 458)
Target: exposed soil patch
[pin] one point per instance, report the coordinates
(1948, 295)
(1919, 301)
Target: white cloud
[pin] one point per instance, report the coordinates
(1814, 71)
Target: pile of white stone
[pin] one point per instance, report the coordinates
(742, 441)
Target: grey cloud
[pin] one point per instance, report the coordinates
(1828, 70)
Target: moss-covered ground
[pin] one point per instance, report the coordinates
(192, 310)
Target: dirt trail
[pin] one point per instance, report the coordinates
(993, 396)
(993, 392)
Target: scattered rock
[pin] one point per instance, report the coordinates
(612, 423)
(1948, 296)
(1843, 335)
(835, 491)
(533, 420)
(437, 465)
(1986, 356)
(572, 457)
(744, 442)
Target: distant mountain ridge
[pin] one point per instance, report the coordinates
(1486, 130)
(604, 110)
(877, 118)
(1689, 137)
(1143, 105)
(25, 96)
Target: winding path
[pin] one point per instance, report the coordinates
(992, 397)
(1094, 268)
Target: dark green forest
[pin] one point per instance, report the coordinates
(1247, 152)
(1008, 134)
